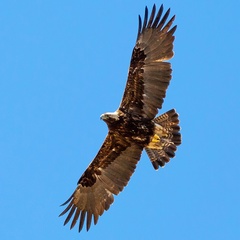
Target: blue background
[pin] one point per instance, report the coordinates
(63, 64)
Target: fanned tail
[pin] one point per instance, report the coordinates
(165, 140)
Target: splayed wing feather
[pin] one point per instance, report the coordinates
(89, 220)
(152, 16)
(82, 219)
(145, 18)
(76, 216)
(158, 16)
(70, 214)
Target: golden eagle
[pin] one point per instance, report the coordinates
(133, 126)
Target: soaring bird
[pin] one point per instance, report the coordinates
(134, 125)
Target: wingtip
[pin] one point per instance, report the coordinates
(68, 200)
(139, 25)
(145, 18)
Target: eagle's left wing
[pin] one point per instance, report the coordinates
(149, 73)
(107, 174)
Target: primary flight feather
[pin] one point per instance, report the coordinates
(133, 126)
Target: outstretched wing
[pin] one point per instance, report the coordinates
(108, 173)
(149, 75)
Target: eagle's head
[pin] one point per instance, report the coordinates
(110, 117)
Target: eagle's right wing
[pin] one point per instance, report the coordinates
(149, 73)
(107, 174)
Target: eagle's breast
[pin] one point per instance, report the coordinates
(138, 130)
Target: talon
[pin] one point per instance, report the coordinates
(155, 138)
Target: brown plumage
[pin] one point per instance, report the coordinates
(133, 127)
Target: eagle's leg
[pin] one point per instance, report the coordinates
(155, 138)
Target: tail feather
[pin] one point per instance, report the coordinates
(167, 132)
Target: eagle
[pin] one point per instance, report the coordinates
(134, 126)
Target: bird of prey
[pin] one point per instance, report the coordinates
(134, 126)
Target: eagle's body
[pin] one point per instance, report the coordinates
(133, 126)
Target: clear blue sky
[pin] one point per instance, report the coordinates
(63, 64)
